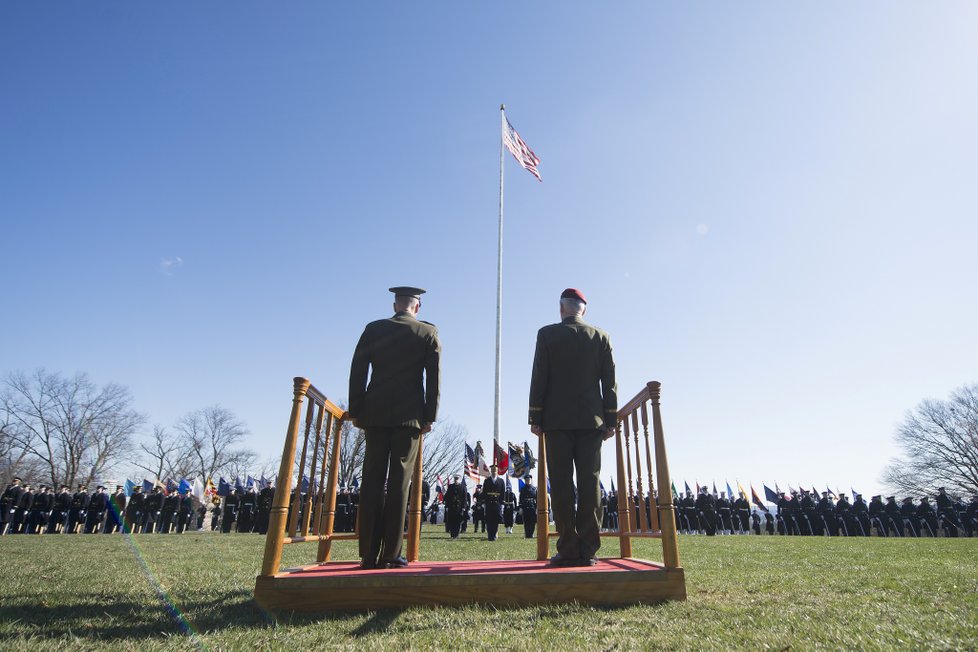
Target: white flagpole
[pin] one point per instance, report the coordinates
(499, 280)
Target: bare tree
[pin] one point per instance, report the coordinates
(75, 430)
(166, 456)
(442, 451)
(210, 437)
(14, 459)
(940, 446)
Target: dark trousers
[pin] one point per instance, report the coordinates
(529, 522)
(390, 456)
(492, 520)
(578, 530)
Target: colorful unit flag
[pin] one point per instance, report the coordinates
(757, 499)
(501, 460)
(517, 461)
(520, 150)
(471, 464)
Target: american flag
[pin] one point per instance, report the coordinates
(520, 150)
(471, 465)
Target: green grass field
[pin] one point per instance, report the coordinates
(194, 592)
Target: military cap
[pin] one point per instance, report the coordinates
(529, 477)
(407, 291)
(908, 499)
(99, 487)
(573, 293)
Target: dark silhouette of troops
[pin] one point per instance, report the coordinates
(153, 508)
(22, 514)
(845, 517)
(509, 509)
(769, 524)
(723, 514)
(230, 512)
(59, 514)
(40, 512)
(134, 510)
(947, 514)
(755, 521)
(707, 512)
(265, 499)
(455, 505)
(185, 512)
(433, 510)
(344, 508)
(826, 513)
(892, 517)
(493, 489)
(95, 514)
(401, 355)
(478, 510)
(201, 515)
(877, 516)
(117, 510)
(171, 502)
(908, 515)
(248, 507)
(528, 506)
(612, 511)
(574, 401)
(466, 509)
(687, 514)
(810, 523)
(970, 519)
(860, 513)
(742, 515)
(926, 517)
(8, 505)
(215, 514)
(79, 507)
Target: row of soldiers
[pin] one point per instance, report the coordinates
(26, 510)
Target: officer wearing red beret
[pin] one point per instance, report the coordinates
(574, 400)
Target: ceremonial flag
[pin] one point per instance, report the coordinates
(612, 485)
(697, 483)
(831, 493)
(743, 493)
(250, 482)
(223, 488)
(198, 490)
(519, 149)
(237, 483)
(715, 492)
(355, 484)
(777, 489)
(757, 499)
(147, 486)
(501, 459)
(185, 486)
(729, 490)
(688, 490)
(770, 495)
(529, 460)
(522, 484)
(471, 463)
(171, 485)
(305, 485)
(517, 461)
(480, 456)
(262, 482)
(439, 489)
(854, 494)
(674, 492)
(130, 485)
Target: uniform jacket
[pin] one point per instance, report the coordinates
(402, 355)
(573, 382)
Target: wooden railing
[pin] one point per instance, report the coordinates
(314, 511)
(632, 480)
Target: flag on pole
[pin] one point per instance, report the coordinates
(223, 488)
(520, 150)
(480, 457)
(517, 461)
(501, 460)
(688, 490)
(772, 496)
(198, 490)
(743, 493)
(130, 485)
(185, 487)
(528, 460)
(471, 464)
(729, 490)
(757, 499)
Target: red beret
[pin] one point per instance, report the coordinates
(573, 293)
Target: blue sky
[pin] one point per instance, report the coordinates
(771, 207)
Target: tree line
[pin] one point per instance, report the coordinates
(67, 430)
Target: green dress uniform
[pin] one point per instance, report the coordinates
(402, 355)
(573, 396)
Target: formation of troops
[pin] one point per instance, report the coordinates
(806, 514)
(28, 510)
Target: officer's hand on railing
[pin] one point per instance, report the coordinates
(609, 432)
(425, 427)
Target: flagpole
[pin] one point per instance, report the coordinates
(499, 280)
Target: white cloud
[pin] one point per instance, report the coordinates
(170, 265)
(702, 229)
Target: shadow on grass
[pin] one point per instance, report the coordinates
(90, 616)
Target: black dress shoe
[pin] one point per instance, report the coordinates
(368, 564)
(587, 561)
(560, 561)
(397, 562)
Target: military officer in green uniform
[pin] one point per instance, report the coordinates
(401, 354)
(574, 400)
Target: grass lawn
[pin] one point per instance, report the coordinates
(193, 591)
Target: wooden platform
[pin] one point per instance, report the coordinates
(342, 585)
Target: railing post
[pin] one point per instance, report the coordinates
(653, 510)
(414, 515)
(280, 504)
(329, 499)
(543, 502)
(297, 499)
(314, 487)
(670, 546)
(624, 500)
